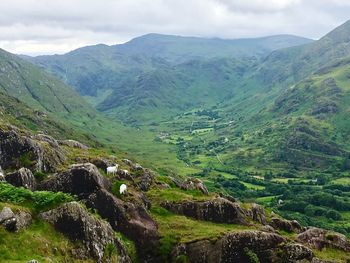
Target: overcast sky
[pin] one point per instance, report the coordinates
(57, 26)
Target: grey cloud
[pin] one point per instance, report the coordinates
(45, 26)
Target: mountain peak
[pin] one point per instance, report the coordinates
(339, 34)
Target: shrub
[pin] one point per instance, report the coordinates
(38, 200)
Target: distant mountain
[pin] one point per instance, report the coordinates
(293, 64)
(132, 78)
(36, 88)
(178, 49)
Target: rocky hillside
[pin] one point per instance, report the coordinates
(58, 201)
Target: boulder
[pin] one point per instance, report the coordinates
(6, 214)
(23, 177)
(46, 138)
(320, 238)
(267, 228)
(257, 213)
(101, 163)
(18, 150)
(217, 210)
(14, 222)
(295, 252)
(73, 144)
(77, 224)
(191, 184)
(131, 220)
(146, 180)
(80, 179)
(2, 175)
(286, 225)
(232, 248)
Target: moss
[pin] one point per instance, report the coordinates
(253, 258)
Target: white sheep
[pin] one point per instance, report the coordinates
(112, 169)
(122, 189)
(124, 172)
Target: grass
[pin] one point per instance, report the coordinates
(333, 255)
(253, 186)
(175, 195)
(180, 229)
(40, 241)
(342, 181)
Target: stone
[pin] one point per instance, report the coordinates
(22, 178)
(258, 214)
(80, 179)
(78, 225)
(130, 219)
(73, 144)
(232, 248)
(295, 252)
(14, 222)
(18, 150)
(320, 238)
(146, 181)
(5, 214)
(217, 210)
(286, 225)
(23, 220)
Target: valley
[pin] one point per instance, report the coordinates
(240, 138)
(246, 125)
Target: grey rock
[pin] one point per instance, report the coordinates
(23, 177)
(80, 179)
(258, 214)
(217, 210)
(232, 248)
(77, 224)
(320, 238)
(23, 220)
(130, 219)
(73, 144)
(286, 225)
(5, 214)
(40, 154)
(295, 252)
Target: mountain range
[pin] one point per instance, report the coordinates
(262, 119)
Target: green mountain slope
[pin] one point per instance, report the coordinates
(97, 71)
(293, 64)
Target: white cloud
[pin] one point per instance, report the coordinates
(46, 26)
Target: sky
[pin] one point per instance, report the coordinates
(35, 27)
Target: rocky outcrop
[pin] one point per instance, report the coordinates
(145, 181)
(23, 177)
(320, 238)
(286, 225)
(17, 150)
(191, 184)
(73, 144)
(131, 220)
(217, 210)
(77, 224)
(296, 252)
(14, 221)
(232, 248)
(80, 179)
(257, 213)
